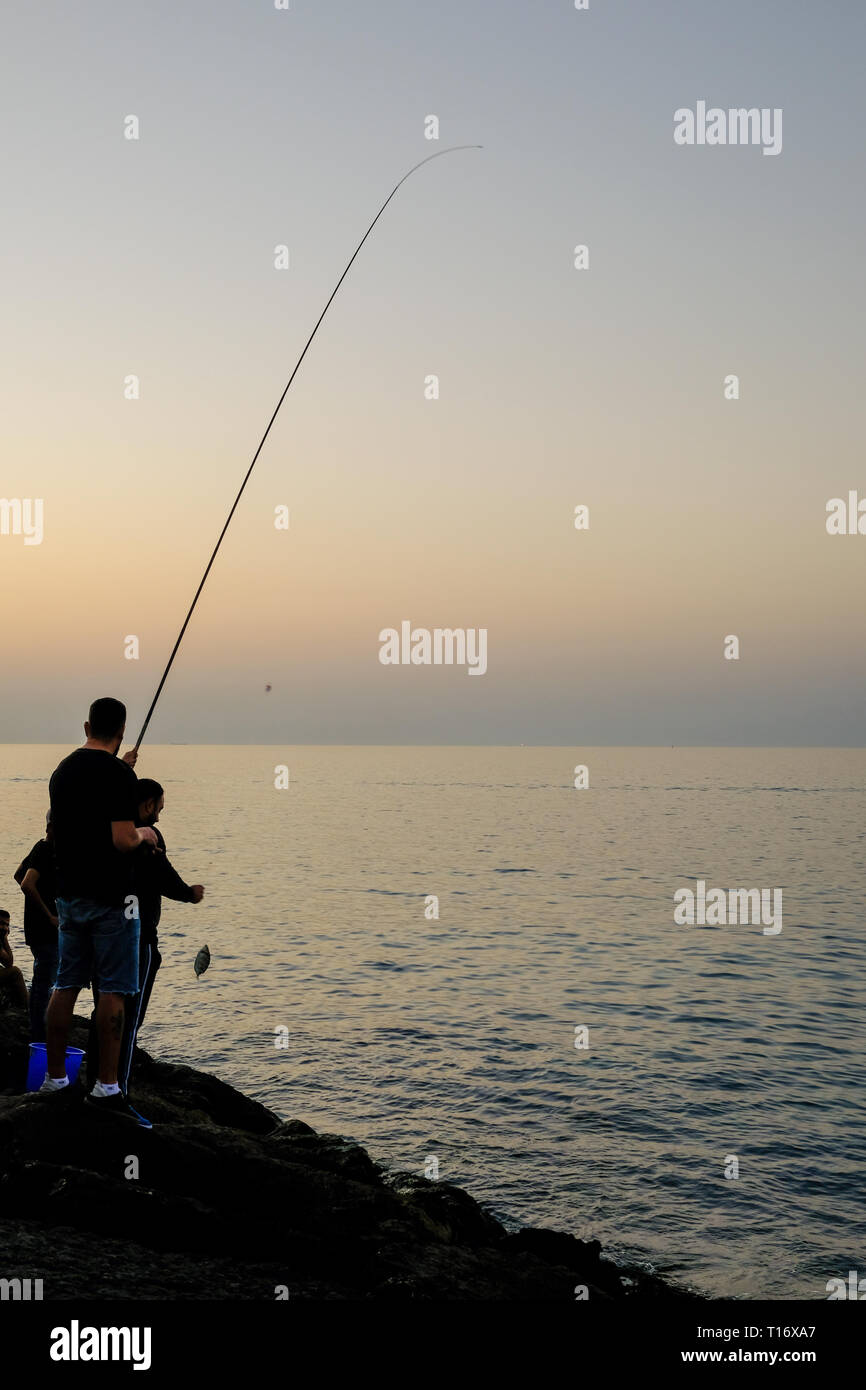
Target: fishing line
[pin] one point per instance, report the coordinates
(437, 155)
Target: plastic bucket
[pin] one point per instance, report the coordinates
(39, 1065)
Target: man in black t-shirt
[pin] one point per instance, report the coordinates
(154, 878)
(93, 809)
(36, 877)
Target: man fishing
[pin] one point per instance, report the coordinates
(153, 878)
(94, 804)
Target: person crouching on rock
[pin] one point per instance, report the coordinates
(11, 980)
(94, 804)
(153, 878)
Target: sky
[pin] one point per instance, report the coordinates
(558, 387)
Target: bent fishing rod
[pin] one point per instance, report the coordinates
(437, 155)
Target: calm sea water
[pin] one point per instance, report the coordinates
(454, 1037)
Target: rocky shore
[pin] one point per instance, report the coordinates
(224, 1200)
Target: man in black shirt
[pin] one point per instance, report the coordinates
(93, 809)
(36, 877)
(153, 878)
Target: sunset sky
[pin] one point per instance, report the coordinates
(604, 386)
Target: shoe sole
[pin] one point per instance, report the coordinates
(95, 1109)
(72, 1092)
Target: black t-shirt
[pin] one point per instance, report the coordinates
(37, 928)
(90, 789)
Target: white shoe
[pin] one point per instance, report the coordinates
(52, 1084)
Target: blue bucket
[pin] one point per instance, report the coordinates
(39, 1065)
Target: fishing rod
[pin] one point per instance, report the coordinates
(451, 150)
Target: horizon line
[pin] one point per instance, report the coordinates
(671, 747)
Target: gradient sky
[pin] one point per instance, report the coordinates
(558, 387)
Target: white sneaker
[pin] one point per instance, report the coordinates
(52, 1084)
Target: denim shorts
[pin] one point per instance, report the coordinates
(99, 944)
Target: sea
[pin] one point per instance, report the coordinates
(473, 967)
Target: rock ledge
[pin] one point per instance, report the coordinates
(232, 1203)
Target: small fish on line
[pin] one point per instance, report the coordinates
(202, 961)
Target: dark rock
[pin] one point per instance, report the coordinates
(554, 1247)
(298, 1143)
(223, 1200)
(449, 1213)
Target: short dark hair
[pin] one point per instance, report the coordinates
(4, 913)
(106, 717)
(148, 790)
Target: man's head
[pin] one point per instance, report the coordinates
(4, 923)
(151, 800)
(106, 723)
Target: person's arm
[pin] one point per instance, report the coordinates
(122, 807)
(171, 885)
(28, 886)
(126, 836)
(20, 872)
